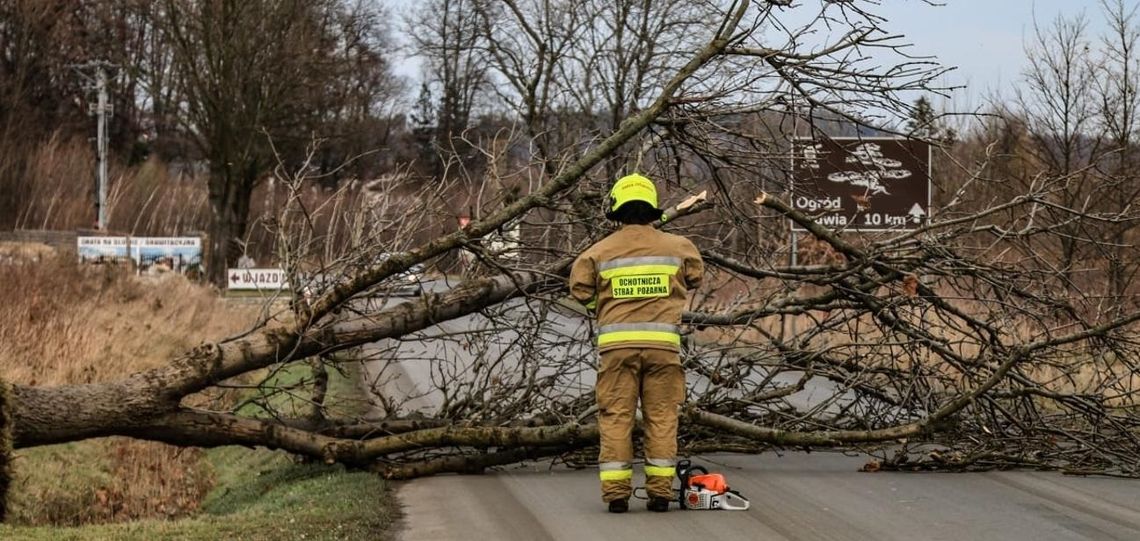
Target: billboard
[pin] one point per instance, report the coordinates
(165, 254)
(151, 255)
(103, 249)
(862, 183)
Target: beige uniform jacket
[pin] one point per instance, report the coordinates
(639, 278)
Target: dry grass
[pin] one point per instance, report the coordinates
(50, 188)
(67, 324)
(64, 324)
(108, 480)
(56, 186)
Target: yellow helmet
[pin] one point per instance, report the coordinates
(631, 188)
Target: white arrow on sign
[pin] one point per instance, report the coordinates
(916, 213)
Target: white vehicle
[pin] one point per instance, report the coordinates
(407, 282)
(410, 282)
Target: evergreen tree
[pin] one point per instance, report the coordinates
(424, 122)
(922, 119)
(925, 123)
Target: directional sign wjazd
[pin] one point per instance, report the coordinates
(862, 183)
(257, 279)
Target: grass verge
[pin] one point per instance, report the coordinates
(70, 325)
(259, 495)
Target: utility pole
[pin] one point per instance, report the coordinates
(101, 110)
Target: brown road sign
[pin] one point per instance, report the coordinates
(862, 183)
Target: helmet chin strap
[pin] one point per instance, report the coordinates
(609, 209)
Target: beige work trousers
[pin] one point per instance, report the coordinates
(656, 377)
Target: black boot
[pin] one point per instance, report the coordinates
(657, 504)
(619, 506)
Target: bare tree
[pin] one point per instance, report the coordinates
(42, 96)
(248, 72)
(1059, 111)
(1117, 88)
(1073, 119)
(445, 33)
(950, 337)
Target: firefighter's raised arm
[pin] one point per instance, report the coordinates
(583, 281)
(694, 266)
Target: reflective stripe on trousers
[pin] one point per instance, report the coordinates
(639, 332)
(660, 467)
(615, 471)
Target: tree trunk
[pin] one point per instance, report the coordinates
(46, 415)
(5, 447)
(229, 215)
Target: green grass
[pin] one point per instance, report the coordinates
(282, 397)
(260, 495)
(52, 480)
(257, 495)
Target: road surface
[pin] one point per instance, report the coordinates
(410, 370)
(818, 496)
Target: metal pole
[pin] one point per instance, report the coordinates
(794, 260)
(101, 112)
(792, 255)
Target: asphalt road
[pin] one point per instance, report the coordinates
(818, 496)
(410, 371)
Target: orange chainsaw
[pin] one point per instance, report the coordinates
(703, 490)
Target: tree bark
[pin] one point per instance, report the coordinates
(5, 447)
(46, 415)
(230, 194)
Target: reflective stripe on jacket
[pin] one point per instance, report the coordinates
(638, 278)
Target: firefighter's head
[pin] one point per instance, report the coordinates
(633, 200)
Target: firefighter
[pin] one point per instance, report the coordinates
(636, 281)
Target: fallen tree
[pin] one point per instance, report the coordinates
(960, 334)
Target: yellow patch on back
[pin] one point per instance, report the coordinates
(640, 286)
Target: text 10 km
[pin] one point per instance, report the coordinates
(878, 219)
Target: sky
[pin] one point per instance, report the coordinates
(983, 39)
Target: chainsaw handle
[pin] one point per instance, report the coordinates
(686, 469)
(733, 501)
(694, 469)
